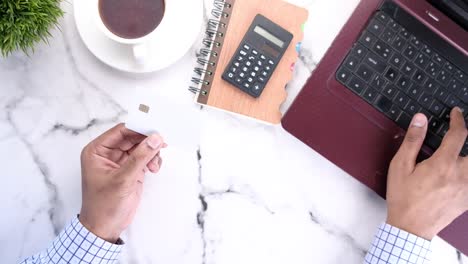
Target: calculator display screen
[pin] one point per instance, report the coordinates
(270, 50)
(262, 32)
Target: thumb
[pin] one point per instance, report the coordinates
(143, 154)
(413, 141)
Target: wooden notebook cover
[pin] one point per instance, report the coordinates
(227, 97)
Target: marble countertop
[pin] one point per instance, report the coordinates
(231, 190)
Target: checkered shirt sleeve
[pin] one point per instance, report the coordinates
(396, 246)
(77, 245)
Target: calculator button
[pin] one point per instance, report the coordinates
(267, 68)
(257, 88)
(247, 47)
(243, 52)
(271, 62)
(245, 69)
(238, 80)
(253, 74)
(242, 75)
(248, 64)
(237, 64)
(240, 58)
(233, 69)
(261, 79)
(256, 68)
(264, 73)
(251, 58)
(250, 80)
(260, 63)
(254, 52)
(262, 57)
(231, 75)
(247, 85)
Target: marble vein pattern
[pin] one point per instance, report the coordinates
(231, 190)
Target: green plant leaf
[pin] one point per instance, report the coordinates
(24, 23)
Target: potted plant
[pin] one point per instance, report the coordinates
(24, 23)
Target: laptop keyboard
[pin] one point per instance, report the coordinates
(400, 76)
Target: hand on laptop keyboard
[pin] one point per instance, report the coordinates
(424, 198)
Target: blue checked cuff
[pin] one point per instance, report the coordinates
(76, 244)
(396, 246)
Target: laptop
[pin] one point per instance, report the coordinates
(392, 59)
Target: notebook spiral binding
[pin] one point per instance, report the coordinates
(207, 57)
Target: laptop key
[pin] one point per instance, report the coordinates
(436, 108)
(343, 75)
(382, 49)
(438, 59)
(391, 74)
(401, 100)
(441, 94)
(433, 69)
(452, 101)
(359, 51)
(378, 82)
(454, 86)
(357, 85)
(370, 95)
(388, 35)
(399, 43)
(351, 62)
(419, 77)
(375, 62)
(463, 93)
(383, 17)
(443, 77)
(412, 107)
(404, 83)
(404, 120)
(434, 125)
(365, 72)
(397, 60)
(433, 140)
(416, 42)
(431, 86)
(394, 113)
(426, 100)
(390, 91)
(422, 60)
(409, 69)
(410, 52)
(376, 27)
(415, 92)
(426, 49)
(367, 39)
(383, 103)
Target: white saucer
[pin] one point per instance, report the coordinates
(181, 26)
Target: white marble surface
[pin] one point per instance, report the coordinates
(231, 190)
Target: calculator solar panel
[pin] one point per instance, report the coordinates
(400, 75)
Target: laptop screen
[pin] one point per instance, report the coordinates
(457, 10)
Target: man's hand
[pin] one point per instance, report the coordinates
(113, 171)
(424, 198)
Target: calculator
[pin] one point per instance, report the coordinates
(257, 56)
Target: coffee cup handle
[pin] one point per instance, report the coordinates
(140, 53)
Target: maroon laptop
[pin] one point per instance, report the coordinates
(391, 60)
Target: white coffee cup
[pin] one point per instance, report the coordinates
(140, 46)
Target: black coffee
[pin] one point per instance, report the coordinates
(131, 19)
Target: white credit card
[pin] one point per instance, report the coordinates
(142, 118)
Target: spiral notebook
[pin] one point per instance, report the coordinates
(224, 32)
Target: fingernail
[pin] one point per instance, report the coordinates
(458, 109)
(419, 121)
(153, 141)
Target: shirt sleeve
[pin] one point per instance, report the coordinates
(77, 245)
(395, 246)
